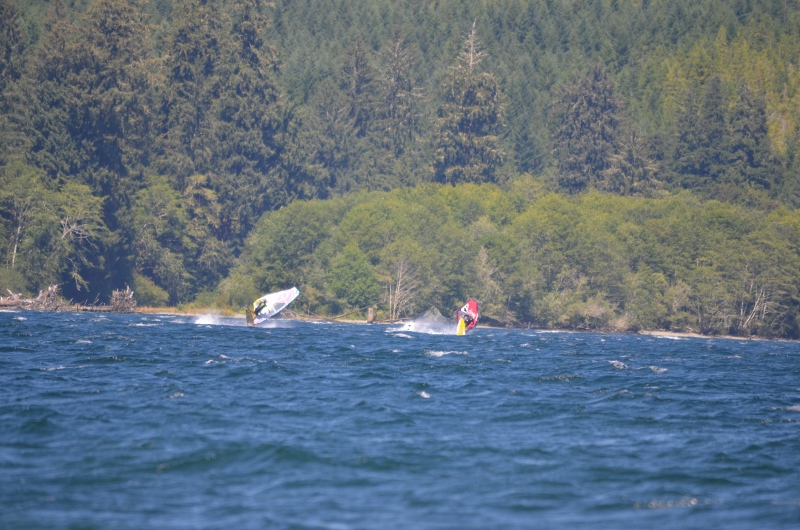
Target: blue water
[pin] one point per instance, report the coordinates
(143, 421)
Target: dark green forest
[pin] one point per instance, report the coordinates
(612, 165)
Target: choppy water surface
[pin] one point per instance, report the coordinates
(143, 421)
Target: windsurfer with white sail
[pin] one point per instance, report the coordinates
(270, 305)
(261, 305)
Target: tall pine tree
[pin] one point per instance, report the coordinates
(469, 120)
(701, 151)
(587, 135)
(751, 164)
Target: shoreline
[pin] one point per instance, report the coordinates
(685, 335)
(193, 311)
(651, 333)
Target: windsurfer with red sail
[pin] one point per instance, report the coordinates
(469, 312)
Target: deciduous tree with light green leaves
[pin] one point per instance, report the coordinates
(353, 279)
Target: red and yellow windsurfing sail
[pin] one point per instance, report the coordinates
(467, 317)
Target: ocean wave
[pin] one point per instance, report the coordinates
(686, 502)
(443, 353)
(423, 327)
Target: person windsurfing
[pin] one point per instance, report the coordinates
(252, 314)
(259, 306)
(469, 314)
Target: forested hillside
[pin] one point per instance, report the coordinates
(589, 261)
(141, 141)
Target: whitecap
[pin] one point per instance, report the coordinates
(618, 365)
(206, 319)
(424, 395)
(443, 353)
(51, 369)
(212, 319)
(686, 502)
(657, 370)
(176, 395)
(83, 341)
(403, 336)
(424, 327)
(20, 318)
(564, 378)
(794, 408)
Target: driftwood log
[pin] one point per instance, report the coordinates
(46, 301)
(121, 302)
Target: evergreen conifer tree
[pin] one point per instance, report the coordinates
(469, 120)
(357, 80)
(192, 55)
(247, 123)
(751, 161)
(399, 98)
(12, 44)
(586, 137)
(703, 140)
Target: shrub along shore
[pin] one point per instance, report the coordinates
(587, 262)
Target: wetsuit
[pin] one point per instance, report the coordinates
(469, 313)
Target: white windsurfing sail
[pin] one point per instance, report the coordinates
(271, 304)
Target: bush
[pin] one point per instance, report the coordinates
(147, 293)
(237, 291)
(12, 280)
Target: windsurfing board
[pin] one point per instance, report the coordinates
(275, 303)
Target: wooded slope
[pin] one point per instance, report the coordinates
(140, 142)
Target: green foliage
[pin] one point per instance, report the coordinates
(353, 279)
(12, 280)
(238, 291)
(147, 293)
(12, 44)
(52, 236)
(586, 138)
(160, 223)
(170, 127)
(592, 261)
(468, 122)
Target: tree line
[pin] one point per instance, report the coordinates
(591, 261)
(141, 141)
